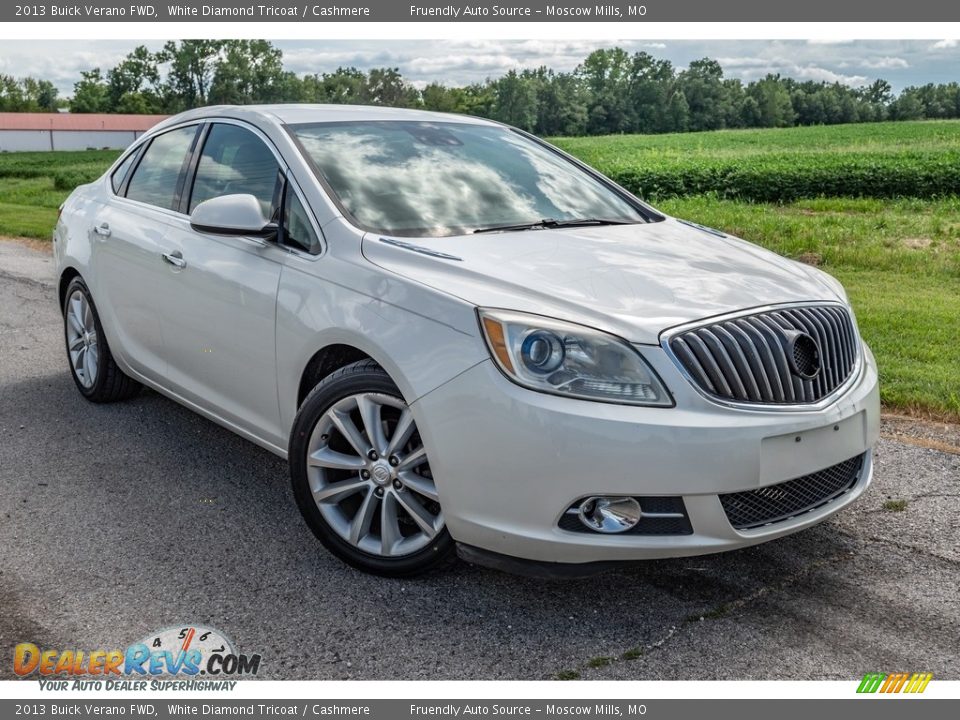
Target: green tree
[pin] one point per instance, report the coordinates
(650, 84)
(90, 94)
(515, 100)
(386, 86)
(750, 113)
(677, 117)
(27, 95)
(439, 98)
(606, 75)
(774, 107)
(11, 94)
(192, 64)
(561, 104)
(477, 99)
(343, 86)
(251, 71)
(133, 84)
(710, 102)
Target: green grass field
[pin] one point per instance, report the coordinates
(33, 184)
(899, 257)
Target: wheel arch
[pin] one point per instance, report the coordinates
(325, 361)
(68, 274)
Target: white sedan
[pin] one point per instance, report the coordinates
(465, 341)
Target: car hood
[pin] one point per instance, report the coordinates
(631, 280)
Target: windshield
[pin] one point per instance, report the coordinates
(438, 179)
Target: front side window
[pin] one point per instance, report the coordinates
(235, 161)
(155, 179)
(298, 231)
(439, 179)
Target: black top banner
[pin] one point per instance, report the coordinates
(485, 11)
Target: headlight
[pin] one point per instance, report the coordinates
(571, 360)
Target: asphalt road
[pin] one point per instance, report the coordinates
(119, 520)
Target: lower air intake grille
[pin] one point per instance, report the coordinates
(763, 506)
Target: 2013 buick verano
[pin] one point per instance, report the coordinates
(462, 339)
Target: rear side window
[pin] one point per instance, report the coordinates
(233, 161)
(156, 177)
(116, 180)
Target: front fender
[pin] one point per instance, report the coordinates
(420, 353)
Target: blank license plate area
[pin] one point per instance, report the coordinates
(784, 457)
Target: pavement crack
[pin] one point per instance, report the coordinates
(925, 443)
(913, 549)
(45, 284)
(721, 610)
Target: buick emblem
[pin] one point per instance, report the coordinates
(381, 474)
(803, 354)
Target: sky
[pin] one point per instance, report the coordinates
(459, 62)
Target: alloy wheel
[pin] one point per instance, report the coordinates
(82, 339)
(368, 473)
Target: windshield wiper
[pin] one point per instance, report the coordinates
(551, 223)
(583, 222)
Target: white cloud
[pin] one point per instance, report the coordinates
(944, 44)
(452, 63)
(881, 63)
(829, 41)
(754, 68)
(821, 74)
(309, 60)
(744, 62)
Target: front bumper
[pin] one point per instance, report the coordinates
(508, 461)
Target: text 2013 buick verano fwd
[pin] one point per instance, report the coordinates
(462, 339)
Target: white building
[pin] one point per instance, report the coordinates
(71, 131)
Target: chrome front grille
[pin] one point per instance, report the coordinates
(789, 356)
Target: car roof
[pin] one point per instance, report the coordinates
(292, 114)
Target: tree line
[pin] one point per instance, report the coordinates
(611, 91)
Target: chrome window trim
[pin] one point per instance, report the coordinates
(292, 184)
(284, 168)
(855, 374)
(129, 154)
(144, 143)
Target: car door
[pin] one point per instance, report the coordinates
(219, 317)
(127, 246)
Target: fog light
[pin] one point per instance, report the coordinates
(610, 514)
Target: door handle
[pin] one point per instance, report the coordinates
(102, 229)
(174, 258)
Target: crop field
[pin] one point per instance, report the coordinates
(884, 160)
(876, 205)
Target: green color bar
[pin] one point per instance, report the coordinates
(871, 682)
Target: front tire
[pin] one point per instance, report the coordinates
(92, 365)
(361, 476)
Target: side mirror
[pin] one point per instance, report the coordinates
(232, 215)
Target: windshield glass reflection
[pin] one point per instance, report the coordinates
(440, 179)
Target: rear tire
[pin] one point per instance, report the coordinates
(92, 366)
(361, 477)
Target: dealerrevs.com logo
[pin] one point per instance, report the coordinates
(187, 652)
